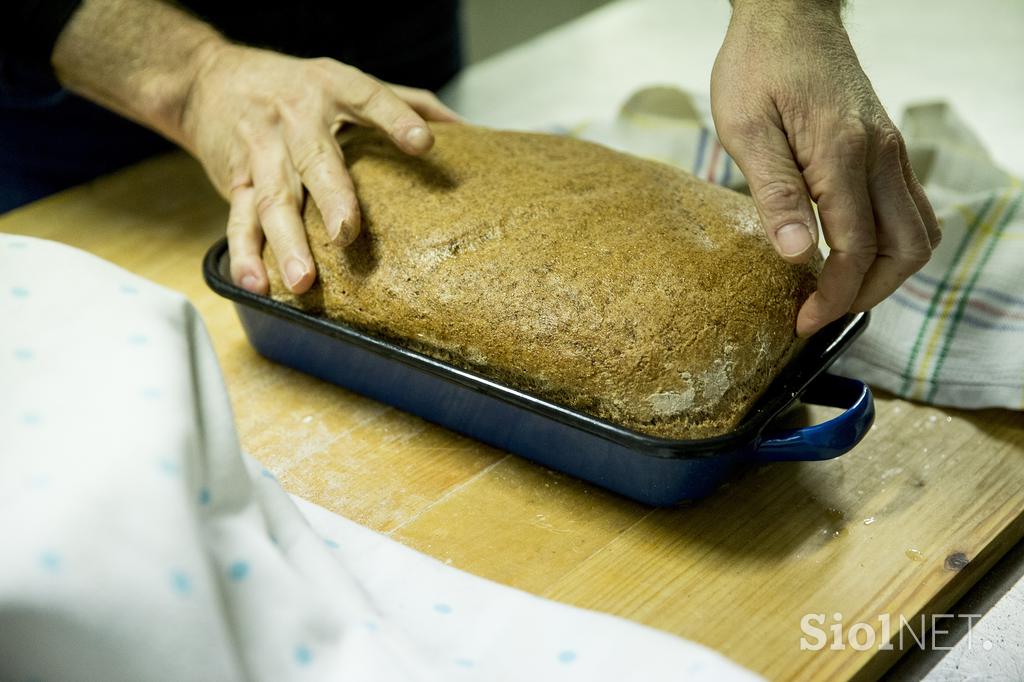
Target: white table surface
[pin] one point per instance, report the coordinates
(970, 53)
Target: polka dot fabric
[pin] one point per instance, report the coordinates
(141, 543)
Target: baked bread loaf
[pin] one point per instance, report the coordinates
(617, 286)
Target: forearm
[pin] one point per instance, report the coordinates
(834, 5)
(807, 13)
(136, 57)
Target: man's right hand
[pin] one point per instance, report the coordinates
(263, 124)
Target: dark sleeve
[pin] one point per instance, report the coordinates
(28, 32)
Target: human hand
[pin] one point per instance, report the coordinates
(263, 126)
(795, 110)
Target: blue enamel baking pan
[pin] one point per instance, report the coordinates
(652, 470)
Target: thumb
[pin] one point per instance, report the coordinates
(780, 194)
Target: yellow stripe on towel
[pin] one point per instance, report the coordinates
(984, 232)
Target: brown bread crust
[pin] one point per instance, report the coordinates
(614, 285)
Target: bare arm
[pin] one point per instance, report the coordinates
(138, 58)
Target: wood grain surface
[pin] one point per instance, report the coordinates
(902, 525)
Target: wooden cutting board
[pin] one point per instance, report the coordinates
(899, 527)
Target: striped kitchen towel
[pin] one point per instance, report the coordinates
(953, 334)
(668, 125)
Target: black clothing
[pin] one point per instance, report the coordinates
(51, 139)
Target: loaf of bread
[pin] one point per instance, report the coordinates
(617, 286)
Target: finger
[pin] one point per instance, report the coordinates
(321, 167)
(924, 206)
(426, 104)
(372, 103)
(848, 222)
(278, 194)
(779, 192)
(245, 239)
(903, 244)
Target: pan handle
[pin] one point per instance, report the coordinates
(829, 439)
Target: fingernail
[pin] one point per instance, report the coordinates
(805, 329)
(250, 283)
(345, 230)
(793, 239)
(418, 137)
(334, 229)
(345, 233)
(294, 271)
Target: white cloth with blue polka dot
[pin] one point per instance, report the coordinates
(140, 543)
